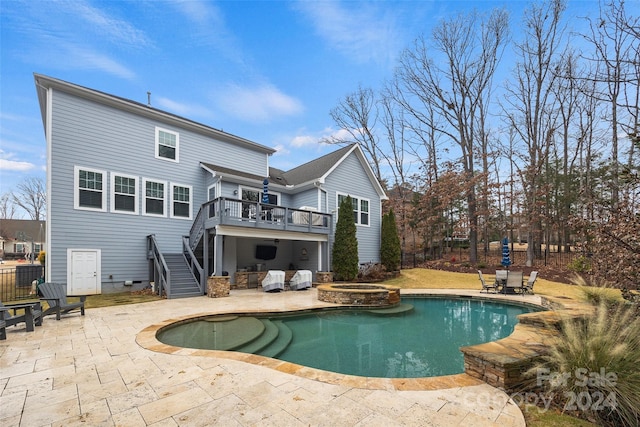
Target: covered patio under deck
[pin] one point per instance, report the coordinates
(246, 239)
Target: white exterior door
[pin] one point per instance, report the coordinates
(83, 272)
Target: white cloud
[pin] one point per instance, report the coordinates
(16, 166)
(200, 12)
(341, 134)
(304, 141)
(281, 150)
(362, 33)
(186, 110)
(82, 58)
(262, 103)
(209, 28)
(311, 140)
(112, 29)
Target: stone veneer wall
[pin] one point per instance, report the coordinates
(366, 295)
(324, 277)
(503, 363)
(218, 286)
(242, 278)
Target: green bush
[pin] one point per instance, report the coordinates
(592, 368)
(390, 243)
(345, 246)
(581, 264)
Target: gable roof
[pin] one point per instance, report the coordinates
(316, 169)
(307, 174)
(32, 229)
(44, 83)
(320, 168)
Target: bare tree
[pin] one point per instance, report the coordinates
(32, 197)
(614, 38)
(452, 78)
(7, 207)
(357, 114)
(531, 108)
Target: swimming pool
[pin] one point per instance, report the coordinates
(423, 342)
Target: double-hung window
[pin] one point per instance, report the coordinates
(154, 197)
(181, 201)
(360, 208)
(167, 145)
(124, 193)
(89, 191)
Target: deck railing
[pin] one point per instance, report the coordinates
(194, 265)
(161, 273)
(245, 213)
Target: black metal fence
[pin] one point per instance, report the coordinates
(491, 258)
(16, 283)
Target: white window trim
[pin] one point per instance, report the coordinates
(177, 135)
(358, 210)
(216, 187)
(144, 197)
(259, 191)
(76, 189)
(175, 184)
(136, 195)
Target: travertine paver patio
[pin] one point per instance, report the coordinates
(91, 371)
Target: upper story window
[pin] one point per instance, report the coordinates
(167, 145)
(180, 201)
(154, 198)
(89, 192)
(124, 193)
(255, 195)
(360, 208)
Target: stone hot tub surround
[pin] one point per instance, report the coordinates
(359, 294)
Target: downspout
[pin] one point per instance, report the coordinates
(49, 118)
(324, 254)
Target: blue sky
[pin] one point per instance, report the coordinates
(268, 71)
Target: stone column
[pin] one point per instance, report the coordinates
(218, 286)
(324, 277)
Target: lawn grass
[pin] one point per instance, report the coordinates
(121, 298)
(420, 278)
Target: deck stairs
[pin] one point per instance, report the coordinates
(183, 284)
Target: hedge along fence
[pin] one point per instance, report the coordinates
(16, 282)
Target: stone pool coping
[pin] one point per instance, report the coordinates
(493, 363)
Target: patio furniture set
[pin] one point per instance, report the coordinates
(275, 279)
(509, 282)
(32, 313)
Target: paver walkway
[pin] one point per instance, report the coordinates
(91, 371)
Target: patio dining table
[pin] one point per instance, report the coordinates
(501, 280)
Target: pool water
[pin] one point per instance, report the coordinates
(423, 342)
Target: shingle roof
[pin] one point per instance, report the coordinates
(9, 229)
(315, 168)
(309, 171)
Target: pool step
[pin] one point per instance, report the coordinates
(285, 335)
(269, 334)
(396, 309)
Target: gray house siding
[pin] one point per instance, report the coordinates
(350, 178)
(96, 132)
(123, 143)
(307, 198)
